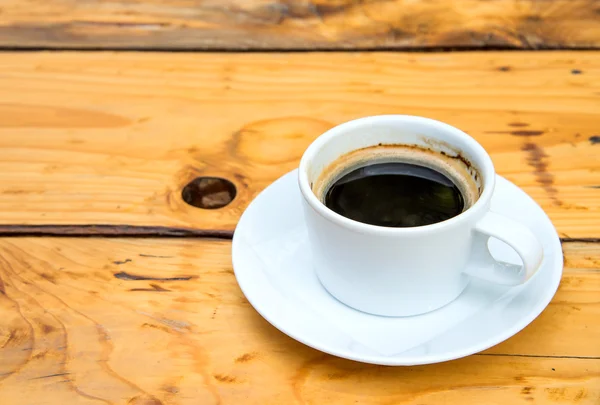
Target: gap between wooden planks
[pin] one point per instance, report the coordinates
(111, 139)
(162, 321)
(299, 24)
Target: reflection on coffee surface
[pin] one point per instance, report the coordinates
(395, 195)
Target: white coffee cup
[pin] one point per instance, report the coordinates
(408, 271)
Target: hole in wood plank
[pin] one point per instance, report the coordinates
(209, 192)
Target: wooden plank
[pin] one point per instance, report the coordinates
(113, 138)
(162, 321)
(300, 24)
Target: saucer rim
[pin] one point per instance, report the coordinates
(552, 286)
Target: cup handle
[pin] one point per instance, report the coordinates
(518, 237)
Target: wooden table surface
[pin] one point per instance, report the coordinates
(113, 289)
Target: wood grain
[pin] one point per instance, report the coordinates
(162, 321)
(111, 139)
(299, 24)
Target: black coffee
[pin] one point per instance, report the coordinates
(395, 195)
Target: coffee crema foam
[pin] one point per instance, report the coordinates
(453, 167)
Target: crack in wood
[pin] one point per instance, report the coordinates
(155, 256)
(293, 49)
(155, 287)
(119, 262)
(48, 376)
(115, 231)
(140, 231)
(134, 277)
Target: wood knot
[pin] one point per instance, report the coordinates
(209, 192)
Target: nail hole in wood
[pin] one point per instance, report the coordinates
(209, 192)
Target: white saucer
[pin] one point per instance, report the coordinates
(272, 264)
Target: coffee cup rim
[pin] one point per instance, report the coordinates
(486, 169)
